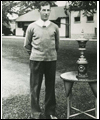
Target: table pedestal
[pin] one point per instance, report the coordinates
(69, 78)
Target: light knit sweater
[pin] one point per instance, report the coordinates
(41, 42)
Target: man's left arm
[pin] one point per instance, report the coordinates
(57, 38)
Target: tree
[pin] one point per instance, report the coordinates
(7, 7)
(89, 7)
(17, 7)
(26, 6)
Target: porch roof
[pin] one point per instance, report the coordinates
(56, 12)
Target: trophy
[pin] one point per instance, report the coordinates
(82, 62)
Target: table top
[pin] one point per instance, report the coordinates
(71, 76)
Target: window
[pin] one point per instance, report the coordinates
(19, 24)
(77, 19)
(76, 16)
(95, 31)
(89, 18)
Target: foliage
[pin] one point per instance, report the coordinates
(26, 6)
(18, 7)
(89, 7)
(6, 30)
(7, 7)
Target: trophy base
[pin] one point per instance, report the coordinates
(81, 76)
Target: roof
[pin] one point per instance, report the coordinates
(56, 12)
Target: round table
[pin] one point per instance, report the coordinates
(69, 78)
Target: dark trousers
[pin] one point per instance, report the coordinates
(37, 69)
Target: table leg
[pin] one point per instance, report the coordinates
(93, 86)
(68, 87)
(96, 107)
(68, 90)
(69, 104)
(68, 108)
(70, 98)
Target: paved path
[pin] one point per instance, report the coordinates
(15, 78)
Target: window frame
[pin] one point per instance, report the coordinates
(77, 21)
(89, 21)
(78, 16)
(20, 24)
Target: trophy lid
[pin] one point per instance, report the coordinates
(82, 37)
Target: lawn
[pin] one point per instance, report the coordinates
(19, 107)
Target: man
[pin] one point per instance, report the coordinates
(42, 42)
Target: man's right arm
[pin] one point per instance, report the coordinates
(28, 40)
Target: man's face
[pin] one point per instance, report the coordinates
(45, 12)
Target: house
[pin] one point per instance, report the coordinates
(80, 23)
(57, 16)
(70, 25)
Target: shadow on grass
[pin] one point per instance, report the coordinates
(19, 107)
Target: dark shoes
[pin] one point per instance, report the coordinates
(51, 117)
(47, 117)
(30, 117)
(40, 117)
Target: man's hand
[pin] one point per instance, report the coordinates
(29, 52)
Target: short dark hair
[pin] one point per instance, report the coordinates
(43, 3)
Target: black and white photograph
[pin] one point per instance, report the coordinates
(49, 60)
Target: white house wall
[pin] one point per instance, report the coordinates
(19, 31)
(87, 27)
(62, 29)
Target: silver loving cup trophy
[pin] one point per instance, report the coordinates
(82, 62)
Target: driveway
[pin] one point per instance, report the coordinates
(15, 78)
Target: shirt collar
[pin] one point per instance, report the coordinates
(42, 23)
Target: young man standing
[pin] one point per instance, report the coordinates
(42, 42)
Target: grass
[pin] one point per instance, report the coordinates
(68, 54)
(18, 107)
